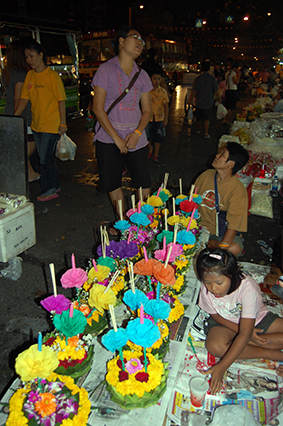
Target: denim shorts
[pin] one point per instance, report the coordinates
(264, 324)
(155, 132)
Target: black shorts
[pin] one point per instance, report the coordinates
(155, 132)
(264, 324)
(203, 114)
(111, 163)
(231, 97)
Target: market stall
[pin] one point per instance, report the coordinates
(131, 337)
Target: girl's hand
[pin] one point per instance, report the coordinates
(121, 144)
(62, 129)
(165, 122)
(132, 140)
(216, 378)
(259, 339)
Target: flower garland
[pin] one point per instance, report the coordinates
(45, 400)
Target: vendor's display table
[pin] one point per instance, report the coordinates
(264, 402)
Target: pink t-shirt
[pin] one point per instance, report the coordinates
(245, 302)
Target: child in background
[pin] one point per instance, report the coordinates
(155, 130)
(239, 326)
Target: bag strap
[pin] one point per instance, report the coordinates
(126, 91)
(132, 82)
(216, 204)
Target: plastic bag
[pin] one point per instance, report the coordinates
(233, 415)
(262, 205)
(14, 269)
(221, 112)
(66, 148)
(190, 114)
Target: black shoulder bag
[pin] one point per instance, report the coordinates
(221, 223)
(132, 82)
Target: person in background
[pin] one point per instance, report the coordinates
(44, 89)
(204, 90)
(120, 137)
(155, 130)
(232, 77)
(150, 64)
(232, 197)
(218, 73)
(13, 78)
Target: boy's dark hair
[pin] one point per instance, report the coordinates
(238, 154)
(205, 66)
(156, 70)
(122, 32)
(221, 262)
(38, 48)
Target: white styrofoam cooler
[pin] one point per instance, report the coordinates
(17, 231)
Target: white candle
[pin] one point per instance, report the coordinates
(168, 255)
(175, 232)
(53, 278)
(112, 280)
(133, 198)
(141, 197)
(165, 180)
(111, 310)
(120, 209)
(174, 207)
(165, 218)
(180, 185)
(191, 193)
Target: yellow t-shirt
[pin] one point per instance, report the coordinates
(44, 90)
(159, 97)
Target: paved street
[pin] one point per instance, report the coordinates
(66, 225)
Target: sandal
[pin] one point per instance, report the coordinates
(47, 197)
(155, 159)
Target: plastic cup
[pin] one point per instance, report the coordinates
(198, 388)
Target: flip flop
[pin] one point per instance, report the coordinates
(47, 197)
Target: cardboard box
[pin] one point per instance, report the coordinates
(17, 232)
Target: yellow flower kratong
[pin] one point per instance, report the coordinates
(132, 386)
(16, 414)
(32, 363)
(100, 300)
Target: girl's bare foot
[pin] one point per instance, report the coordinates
(279, 370)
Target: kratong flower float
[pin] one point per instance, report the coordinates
(71, 343)
(135, 378)
(45, 398)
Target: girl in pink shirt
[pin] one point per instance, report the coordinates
(239, 326)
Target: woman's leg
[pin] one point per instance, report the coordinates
(32, 175)
(45, 144)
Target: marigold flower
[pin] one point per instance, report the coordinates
(47, 404)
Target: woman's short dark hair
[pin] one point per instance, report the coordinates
(38, 48)
(221, 262)
(122, 32)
